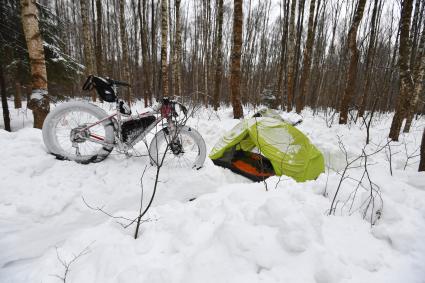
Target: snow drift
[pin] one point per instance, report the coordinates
(234, 230)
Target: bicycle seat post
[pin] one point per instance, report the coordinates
(115, 88)
(118, 113)
(117, 103)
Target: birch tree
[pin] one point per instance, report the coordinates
(164, 35)
(39, 101)
(419, 79)
(406, 83)
(218, 54)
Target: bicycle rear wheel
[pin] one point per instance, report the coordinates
(72, 132)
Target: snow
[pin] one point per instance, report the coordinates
(234, 231)
(38, 94)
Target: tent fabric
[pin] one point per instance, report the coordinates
(288, 149)
(266, 112)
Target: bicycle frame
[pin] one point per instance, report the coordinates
(117, 121)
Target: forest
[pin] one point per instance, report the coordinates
(305, 124)
(349, 56)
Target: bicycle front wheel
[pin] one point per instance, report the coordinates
(183, 149)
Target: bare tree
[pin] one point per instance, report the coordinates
(88, 54)
(147, 87)
(419, 77)
(304, 83)
(235, 69)
(218, 53)
(422, 162)
(154, 19)
(291, 56)
(300, 21)
(406, 83)
(124, 46)
(350, 85)
(177, 53)
(5, 107)
(369, 58)
(271, 59)
(39, 102)
(283, 57)
(99, 56)
(164, 44)
(18, 96)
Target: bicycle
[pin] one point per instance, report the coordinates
(83, 132)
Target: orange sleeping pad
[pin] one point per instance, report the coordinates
(252, 165)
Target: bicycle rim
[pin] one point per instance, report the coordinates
(180, 152)
(83, 148)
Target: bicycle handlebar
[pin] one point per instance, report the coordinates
(116, 82)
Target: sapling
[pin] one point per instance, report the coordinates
(365, 182)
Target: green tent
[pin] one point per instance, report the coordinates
(281, 149)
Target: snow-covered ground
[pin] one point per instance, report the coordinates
(233, 231)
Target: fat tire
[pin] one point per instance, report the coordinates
(159, 138)
(55, 149)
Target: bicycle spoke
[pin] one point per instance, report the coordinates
(79, 120)
(185, 152)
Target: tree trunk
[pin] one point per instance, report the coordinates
(134, 68)
(206, 47)
(422, 162)
(299, 29)
(88, 56)
(153, 49)
(304, 82)
(39, 102)
(369, 59)
(291, 57)
(406, 83)
(419, 77)
(350, 84)
(280, 99)
(235, 68)
(18, 96)
(415, 32)
(164, 35)
(147, 88)
(171, 50)
(177, 53)
(99, 59)
(124, 46)
(218, 55)
(5, 106)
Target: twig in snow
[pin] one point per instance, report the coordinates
(374, 190)
(67, 264)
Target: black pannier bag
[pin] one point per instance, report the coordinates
(103, 87)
